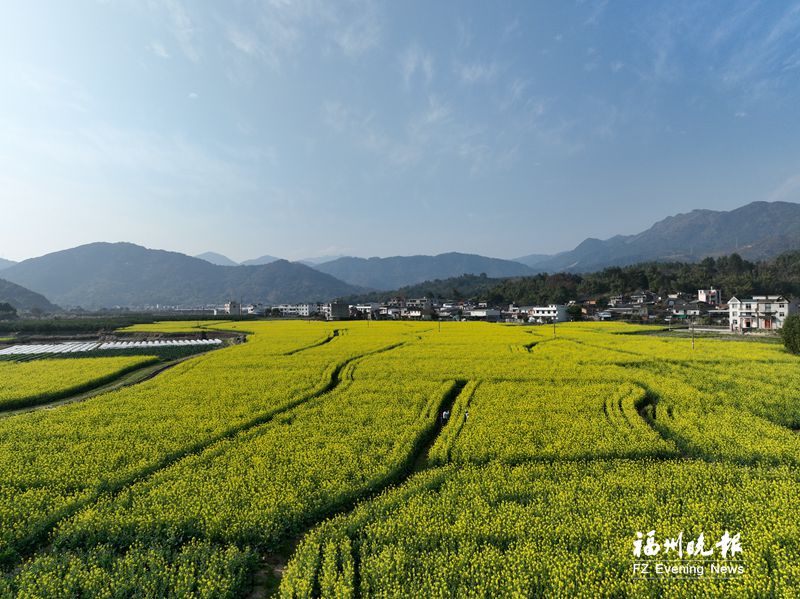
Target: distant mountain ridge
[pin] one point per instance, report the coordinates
(532, 259)
(6, 263)
(101, 275)
(24, 300)
(401, 271)
(756, 231)
(217, 259)
(265, 259)
(316, 260)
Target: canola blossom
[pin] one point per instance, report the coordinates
(39, 381)
(556, 451)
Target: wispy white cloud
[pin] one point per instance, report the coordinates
(514, 94)
(437, 112)
(155, 163)
(748, 51)
(158, 49)
(595, 11)
(357, 33)
(592, 59)
(282, 29)
(512, 29)
(769, 55)
(788, 189)
(46, 87)
(361, 129)
(464, 34)
(476, 72)
(414, 60)
(242, 40)
(183, 29)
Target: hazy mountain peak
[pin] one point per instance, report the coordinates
(265, 259)
(757, 230)
(398, 271)
(24, 300)
(215, 258)
(99, 275)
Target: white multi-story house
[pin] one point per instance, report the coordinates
(551, 313)
(253, 309)
(710, 296)
(484, 314)
(760, 312)
(335, 311)
(368, 310)
(421, 302)
(303, 310)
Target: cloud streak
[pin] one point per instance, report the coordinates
(414, 60)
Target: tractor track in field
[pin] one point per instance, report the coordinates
(327, 339)
(647, 410)
(39, 539)
(267, 576)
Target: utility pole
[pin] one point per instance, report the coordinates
(554, 328)
(440, 325)
(692, 332)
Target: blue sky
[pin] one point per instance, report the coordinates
(307, 128)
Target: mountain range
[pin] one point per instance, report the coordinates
(221, 260)
(400, 271)
(6, 263)
(24, 300)
(102, 275)
(756, 231)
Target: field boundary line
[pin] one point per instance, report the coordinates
(85, 391)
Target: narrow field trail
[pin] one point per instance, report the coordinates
(327, 339)
(647, 411)
(267, 577)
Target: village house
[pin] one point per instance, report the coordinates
(760, 312)
(546, 314)
(711, 296)
(301, 310)
(684, 309)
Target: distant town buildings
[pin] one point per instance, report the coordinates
(756, 313)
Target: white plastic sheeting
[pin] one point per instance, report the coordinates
(82, 346)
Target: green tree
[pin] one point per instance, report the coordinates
(575, 312)
(790, 333)
(7, 311)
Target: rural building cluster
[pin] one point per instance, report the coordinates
(756, 313)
